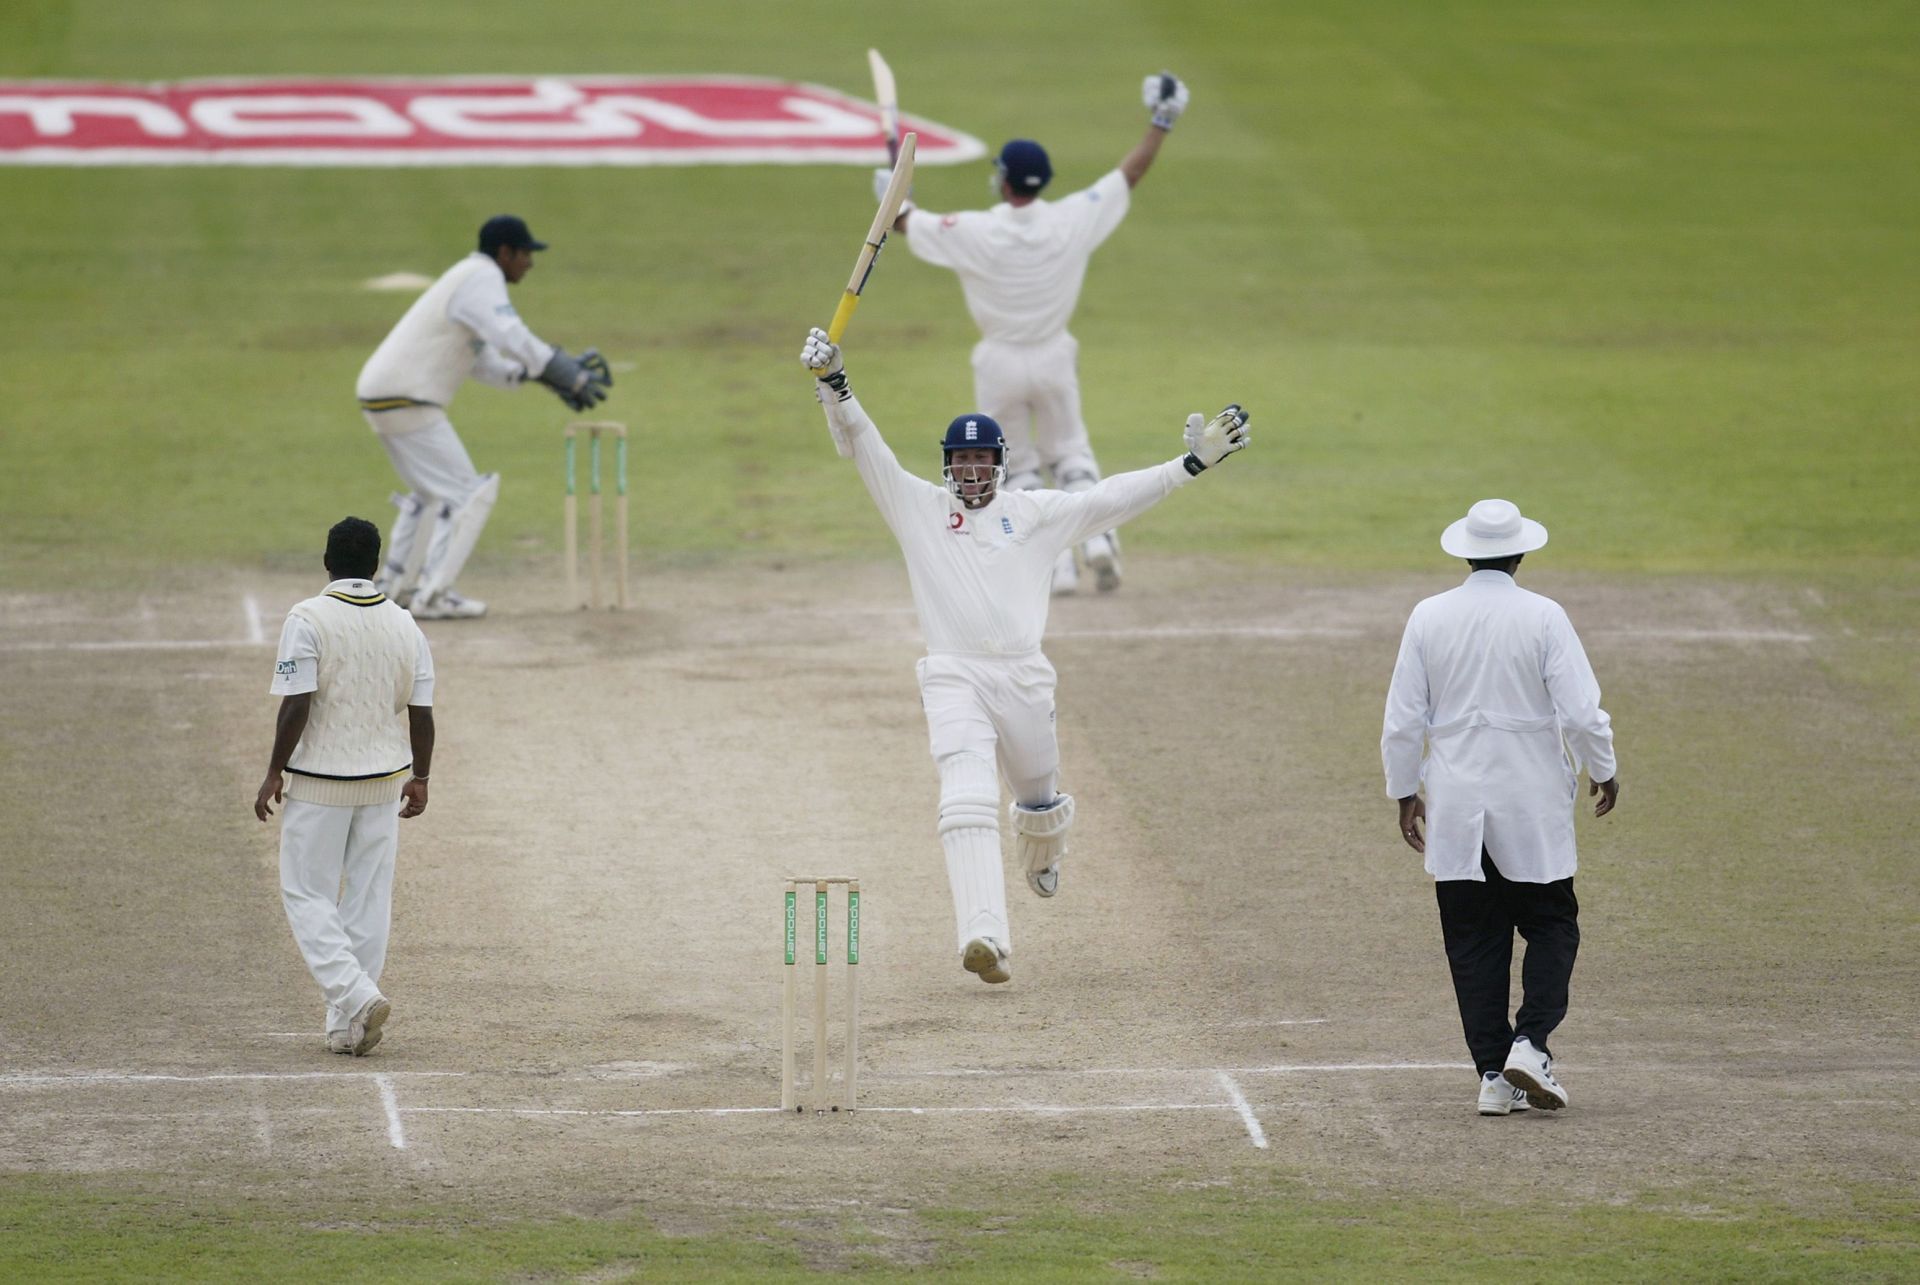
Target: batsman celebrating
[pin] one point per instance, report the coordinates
(980, 558)
(1021, 265)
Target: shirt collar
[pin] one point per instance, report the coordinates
(1498, 579)
(353, 588)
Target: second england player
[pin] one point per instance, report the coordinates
(462, 327)
(1021, 265)
(980, 560)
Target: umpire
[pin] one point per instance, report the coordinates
(355, 731)
(1493, 685)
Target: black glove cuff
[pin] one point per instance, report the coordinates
(1193, 464)
(837, 381)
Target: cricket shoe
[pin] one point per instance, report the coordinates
(1044, 882)
(1531, 1071)
(339, 1042)
(987, 959)
(1066, 576)
(448, 605)
(1103, 559)
(1497, 1097)
(363, 1032)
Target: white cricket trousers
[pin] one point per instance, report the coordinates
(1033, 392)
(336, 879)
(983, 713)
(433, 462)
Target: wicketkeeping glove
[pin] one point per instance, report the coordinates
(581, 382)
(1211, 440)
(1166, 97)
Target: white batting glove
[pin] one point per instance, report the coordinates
(1166, 97)
(821, 355)
(1211, 440)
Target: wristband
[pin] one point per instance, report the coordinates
(1193, 465)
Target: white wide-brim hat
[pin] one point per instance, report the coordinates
(1493, 529)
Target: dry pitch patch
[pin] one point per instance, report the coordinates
(1242, 973)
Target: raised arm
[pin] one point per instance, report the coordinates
(1125, 496)
(854, 435)
(1165, 97)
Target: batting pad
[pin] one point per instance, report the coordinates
(1040, 835)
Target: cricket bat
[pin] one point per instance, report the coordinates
(876, 237)
(889, 99)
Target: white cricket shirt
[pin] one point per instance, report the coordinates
(463, 326)
(1021, 268)
(982, 578)
(1492, 682)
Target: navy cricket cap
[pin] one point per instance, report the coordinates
(974, 431)
(1025, 165)
(508, 230)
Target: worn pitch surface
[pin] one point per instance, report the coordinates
(1243, 969)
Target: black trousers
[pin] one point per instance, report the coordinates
(1478, 921)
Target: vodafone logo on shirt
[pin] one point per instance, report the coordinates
(505, 120)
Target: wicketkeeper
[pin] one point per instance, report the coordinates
(979, 558)
(462, 327)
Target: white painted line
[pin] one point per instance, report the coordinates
(262, 1126)
(1706, 635)
(137, 644)
(1214, 631)
(1241, 1105)
(1023, 1109)
(1310, 1068)
(396, 1134)
(256, 630)
(1300, 1068)
(124, 1077)
(609, 1111)
(1277, 1021)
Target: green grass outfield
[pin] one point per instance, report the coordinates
(1067, 1230)
(1650, 269)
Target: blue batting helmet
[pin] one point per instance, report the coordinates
(974, 431)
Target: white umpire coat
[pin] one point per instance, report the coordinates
(1493, 685)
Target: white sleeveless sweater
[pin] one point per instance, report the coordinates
(356, 748)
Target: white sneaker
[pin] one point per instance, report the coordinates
(339, 1042)
(363, 1032)
(448, 605)
(1044, 882)
(1066, 576)
(987, 959)
(1531, 1071)
(1103, 559)
(1497, 1097)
